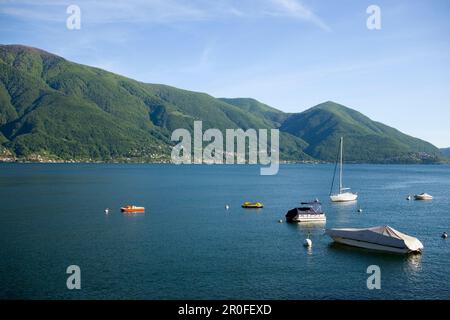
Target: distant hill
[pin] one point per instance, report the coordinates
(51, 108)
(365, 140)
(446, 151)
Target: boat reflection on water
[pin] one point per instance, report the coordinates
(343, 211)
(134, 214)
(311, 226)
(344, 206)
(413, 263)
(305, 228)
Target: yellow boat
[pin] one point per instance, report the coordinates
(252, 205)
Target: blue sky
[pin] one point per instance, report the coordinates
(290, 54)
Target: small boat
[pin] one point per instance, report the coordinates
(382, 238)
(130, 208)
(252, 205)
(308, 212)
(423, 196)
(344, 194)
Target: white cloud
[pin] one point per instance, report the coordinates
(137, 11)
(296, 9)
(150, 11)
(159, 11)
(29, 11)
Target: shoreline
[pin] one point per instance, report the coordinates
(212, 164)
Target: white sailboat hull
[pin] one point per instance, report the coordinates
(344, 194)
(344, 197)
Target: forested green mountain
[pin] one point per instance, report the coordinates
(51, 108)
(365, 140)
(274, 116)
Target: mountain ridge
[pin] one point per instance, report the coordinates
(445, 151)
(54, 109)
(321, 127)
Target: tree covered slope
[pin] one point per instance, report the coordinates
(365, 140)
(56, 109)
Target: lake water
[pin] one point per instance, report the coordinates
(187, 246)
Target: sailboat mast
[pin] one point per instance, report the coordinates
(341, 165)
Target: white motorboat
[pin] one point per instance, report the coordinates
(344, 194)
(382, 238)
(423, 196)
(308, 212)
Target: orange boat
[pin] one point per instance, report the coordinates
(130, 208)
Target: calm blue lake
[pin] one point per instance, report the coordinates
(187, 246)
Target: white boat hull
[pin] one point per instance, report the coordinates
(423, 197)
(382, 238)
(344, 197)
(310, 218)
(367, 245)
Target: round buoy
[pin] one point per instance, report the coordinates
(280, 221)
(227, 207)
(106, 211)
(360, 210)
(408, 198)
(444, 235)
(307, 243)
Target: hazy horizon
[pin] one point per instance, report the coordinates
(289, 54)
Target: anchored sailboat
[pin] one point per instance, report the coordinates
(344, 194)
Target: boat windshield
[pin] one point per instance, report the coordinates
(315, 206)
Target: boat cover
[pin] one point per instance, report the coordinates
(313, 208)
(383, 235)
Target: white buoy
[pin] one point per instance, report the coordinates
(444, 235)
(106, 211)
(280, 221)
(307, 243)
(408, 198)
(227, 207)
(360, 210)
